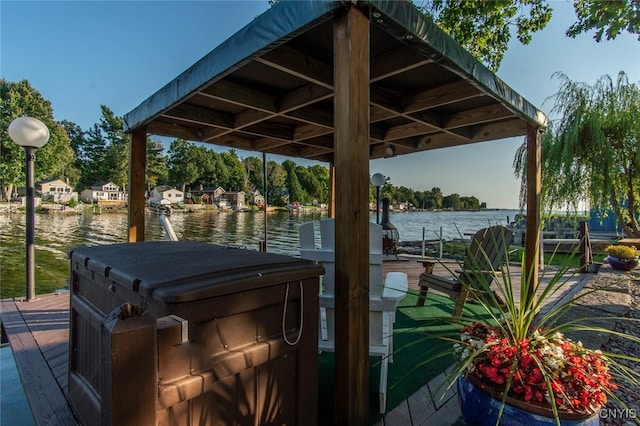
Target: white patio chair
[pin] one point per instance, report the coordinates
(383, 299)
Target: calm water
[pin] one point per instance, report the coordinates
(57, 234)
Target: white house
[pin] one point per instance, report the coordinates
(172, 194)
(103, 191)
(55, 190)
(257, 198)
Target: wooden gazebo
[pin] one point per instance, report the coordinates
(342, 82)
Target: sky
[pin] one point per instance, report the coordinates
(83, 54)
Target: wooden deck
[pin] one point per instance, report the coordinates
(413, 267)
(630, 242)
(38, 332)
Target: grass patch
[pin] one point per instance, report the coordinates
(416, 361)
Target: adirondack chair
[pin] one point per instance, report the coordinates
(484, 258)
(383, 298)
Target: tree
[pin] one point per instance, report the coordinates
(452, 202)
(182, 162)
(76, 140)
(408, 195)
(253, 174)
(276, 184)
(483, 27)
(117, 143)
(209, 167)
(470, 203)
(592, 153)
(607, 18)
(321, 176)
(235, 170)
(294, 188)
(54, 160)
(157, 172)
(436, 197)
(91, 156)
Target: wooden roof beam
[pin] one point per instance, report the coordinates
(270, 130)
(298, 64)
(303, 66)
(495, 112)
(396, 62)
(235, 141)
(244, 96)
(309, 131)
(267, 144)
(420, 122)
(162, 128)
(438, 96)
(255, 114)
(492, 131)
(200, 115)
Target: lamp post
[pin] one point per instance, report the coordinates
(31, 134)
(377, 180)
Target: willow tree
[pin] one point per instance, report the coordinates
(592, 152)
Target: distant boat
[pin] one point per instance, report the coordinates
(295, 207)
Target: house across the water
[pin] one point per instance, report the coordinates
(55, 190)
(175, 196)
(103, 191)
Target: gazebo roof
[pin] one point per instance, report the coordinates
(270, 87)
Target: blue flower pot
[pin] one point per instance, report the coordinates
(622, 264)
(479, 408)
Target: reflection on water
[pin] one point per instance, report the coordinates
(57, 234)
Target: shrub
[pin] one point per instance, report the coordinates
(623, 252)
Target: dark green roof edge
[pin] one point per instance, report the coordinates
(287, 19)
(402, 18)
(275, 26)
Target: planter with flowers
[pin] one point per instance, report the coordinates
(578, 378)
(622, 258)
(516, 366)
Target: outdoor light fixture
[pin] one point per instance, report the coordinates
(389, 151)
(31, 134)
(377, 180)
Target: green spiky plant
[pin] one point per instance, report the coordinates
(508, 344)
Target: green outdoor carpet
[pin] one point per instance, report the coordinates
(415, 341)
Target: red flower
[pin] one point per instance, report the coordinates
(578, 377)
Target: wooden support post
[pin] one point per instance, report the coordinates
(266, 203)
(332, 191)
(586, 257)
(534, 183)
(351, 121)
(137, 168)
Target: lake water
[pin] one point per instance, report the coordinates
(57, 234)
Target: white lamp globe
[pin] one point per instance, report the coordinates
(28, 132)
(377, 179)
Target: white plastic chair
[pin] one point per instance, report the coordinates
(383, 299)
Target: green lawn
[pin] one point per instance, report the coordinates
(416, 341)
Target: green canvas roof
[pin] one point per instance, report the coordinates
(269, 87)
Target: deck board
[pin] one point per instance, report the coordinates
(32, 328)
(630, 242)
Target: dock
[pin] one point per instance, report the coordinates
(38, 332)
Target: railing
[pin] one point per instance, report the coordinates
(169, 233)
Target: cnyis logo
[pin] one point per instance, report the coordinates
(618, 413)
